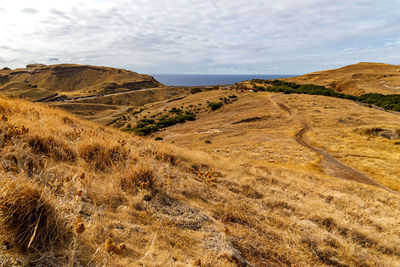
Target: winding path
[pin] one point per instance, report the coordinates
(333, 166)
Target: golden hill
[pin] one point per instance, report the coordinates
(100, 94)
(78, 193)
(356, 79)
(38, 81)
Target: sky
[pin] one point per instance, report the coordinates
(201, 36)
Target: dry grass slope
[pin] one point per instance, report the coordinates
(29, 221)
(41, 81)
(357, 79)
(116, 199)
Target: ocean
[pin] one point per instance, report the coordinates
(210, 79)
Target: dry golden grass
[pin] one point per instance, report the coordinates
(338, 126)
(29, 221)
(150, 203)
(357, 79)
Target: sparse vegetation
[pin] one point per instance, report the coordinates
(147, 126)
(126, 200)
(175, 115)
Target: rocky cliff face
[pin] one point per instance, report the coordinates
(38, 81)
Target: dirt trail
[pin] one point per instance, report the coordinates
(332, 165)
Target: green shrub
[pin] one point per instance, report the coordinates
(175, 110)
(207, 141)
(215, 105)
(148, 126)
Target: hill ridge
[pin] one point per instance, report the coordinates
(356, 79)
(38, 81)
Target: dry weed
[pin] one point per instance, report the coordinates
(141, 177)
(52, 148)
(102, 157)
(28, 218)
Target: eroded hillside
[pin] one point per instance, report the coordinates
(356, 79)
(41, 82)
(253, 197)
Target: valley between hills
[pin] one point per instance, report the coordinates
(104, 166)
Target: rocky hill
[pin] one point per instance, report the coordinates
(356, 79)
(41, 82)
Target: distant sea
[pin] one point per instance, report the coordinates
(210, 79)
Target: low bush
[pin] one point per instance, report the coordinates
(148, 126)
(215, 105)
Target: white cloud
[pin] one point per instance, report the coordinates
(193, 36)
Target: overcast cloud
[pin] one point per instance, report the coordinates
(207, 36)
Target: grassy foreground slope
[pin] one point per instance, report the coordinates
(356, 79)
(75, 192)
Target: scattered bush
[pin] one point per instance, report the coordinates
(207, 141)
(174, 116)
(215, 105)
(158, 138)
(147, 126)
(175, 110)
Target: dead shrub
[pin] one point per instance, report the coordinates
(102, 157)
(67, 120)
(29, 221)
(141, 177)
(9, 133)
(280, 205)
(52, 148)
(167, 157)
